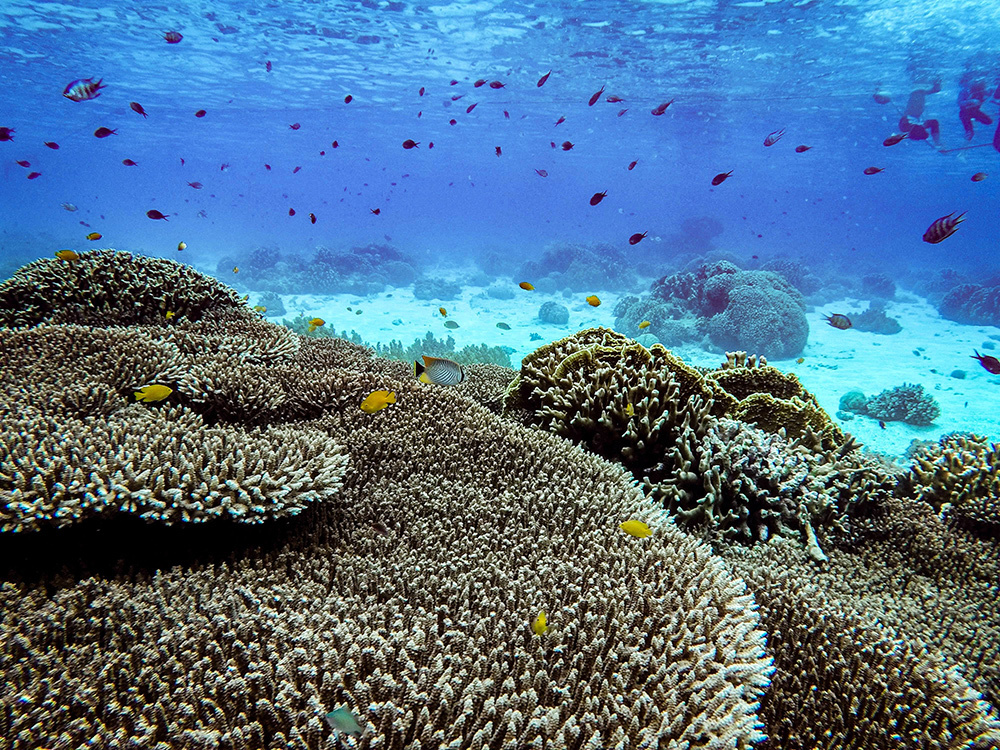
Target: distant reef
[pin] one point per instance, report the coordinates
(223, 566)
(361, 270)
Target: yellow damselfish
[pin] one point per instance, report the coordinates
(527, 286)
(644, 324)
(636, 528)
(377, 400)
(260, 308)
(444, 313)
(629, 409)
(593, 300)
(151, 393)
(169, 314)
(67, 255)
(540, 625)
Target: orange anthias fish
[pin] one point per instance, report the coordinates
(838, 321)
(566, 146)
(636, 238)
(375, 211)
(893, 139)
(130, 163)
(874, 170)
(802, 149)
(136, 107)
(196, 185)
(631, 165)
(661, 108)
(943, 228)
(172, 37)
(103, 132)
(543, 79)
(598, 197)
(541, 173)
(595, 97)
(991, 364)
(980, 176)
(154, 214)
(721, 177)
(773, 137)
(409, 143)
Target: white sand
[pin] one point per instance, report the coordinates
(835, 361)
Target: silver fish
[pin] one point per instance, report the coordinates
(69, 207)
(439, 371)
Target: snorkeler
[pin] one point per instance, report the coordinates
(971, 97)
(917, 131)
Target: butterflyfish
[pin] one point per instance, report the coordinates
(539, 626)
(377, 400)
(150, 393)
(439, 371)
(450, 324)
(67, 255)
(503, 326)
(636, 528)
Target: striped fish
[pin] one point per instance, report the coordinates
(439, 371)
(943, 228)
(82, 90)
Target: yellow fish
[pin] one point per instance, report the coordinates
(150, 393)
(94, 236)
(644, 324)
(260, 308)
(444, 313)
(540, 625)
(593, 300)
(526, 285)
(377, 400)
(636, 528)
(800, 360)
(67, 255)
(629, 409)
(181, 245)
(245, 297)
(236, 269)
(317, 322)
(170, 314)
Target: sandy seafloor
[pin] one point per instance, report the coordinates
(927, 350)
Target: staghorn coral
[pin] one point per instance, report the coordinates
(961, 474)
(106, 288)
(161, 465)
(905, 403)
(387, 604)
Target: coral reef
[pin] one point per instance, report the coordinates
(972, 304)
(580, 268)
(275, 308)
(109, 288)
(874, 320)
(670, 323)
(908, 403)
(750, 310)
(429, 288)
(878, 287)
(795, 273)
(553, 313)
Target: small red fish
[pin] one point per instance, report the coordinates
(802, 149)
(420, 114)
(980, 176)
(456, 97)
(267, 167)
(291, 212)
(421, 92)
(773, 137)
(614, 99)
(348, 99)
(943, 228)
(560, 121)
(294, 126)
(196, 185)
(598, 197)
(499, 152)
(621, 112)
(566, 146)
(636, 238)
(721, 177)
(136, 107)
(23, 163)
(453, 122)
(471, 107)
(312, 218)
(200, 113)
(496, 85)
(991, 364)
(631, 165)
(479, 83)
(375, 211)
(51, 144)
(130, 163)
(430, 145)
(506, 115)
(543, 79)
(154, 214)
(838, 321)
(541, 173)
(895, 138)
(34, 175)
(453, 82)
(874, 170)
(661, 108)
(296, 170)
(408, 144)
(335, 144)
(595, 97)
(267, 66)
(222, 167)
(103, 132)
(172, 37)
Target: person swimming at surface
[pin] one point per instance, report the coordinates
(909, 122)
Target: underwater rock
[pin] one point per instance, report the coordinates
(854, 401)
(553, 313)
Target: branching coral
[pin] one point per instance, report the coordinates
(908, 403)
